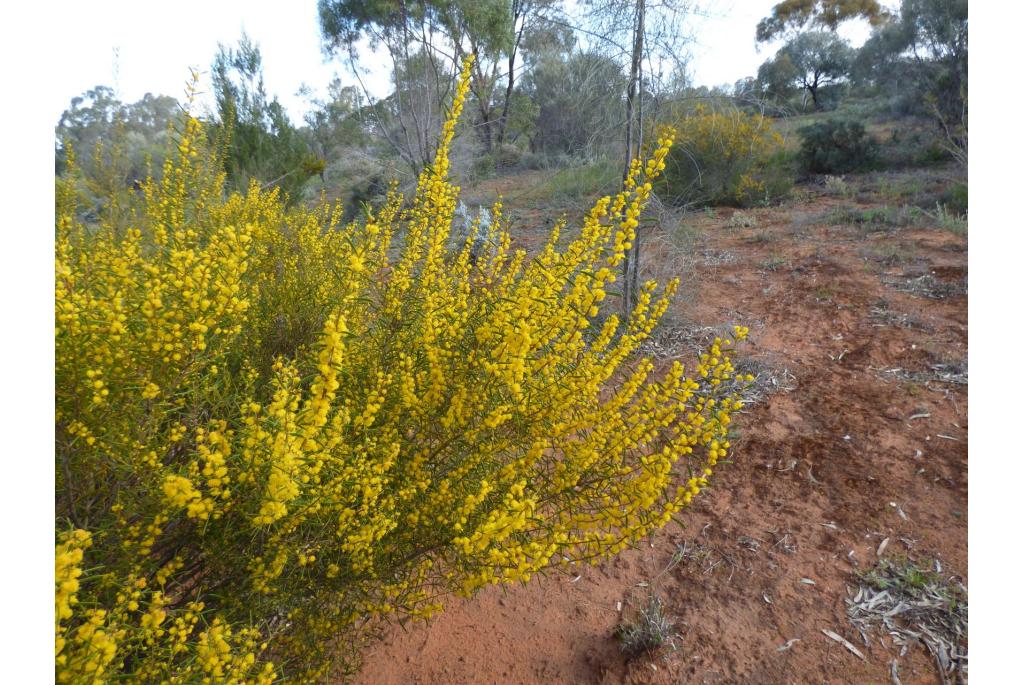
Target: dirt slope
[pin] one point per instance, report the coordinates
(859, 336)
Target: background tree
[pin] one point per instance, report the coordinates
(777, 77)
(652, 39)
(425, 41)
(440, 33)
(337, 122)
(535, 24)
(258, 140)
(810, 61)
(98, 116)
(575, 114)
(920, 59)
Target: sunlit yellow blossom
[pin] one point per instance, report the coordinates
(273, 427)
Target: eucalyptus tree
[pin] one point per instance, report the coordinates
(426, 42)
(809, 61)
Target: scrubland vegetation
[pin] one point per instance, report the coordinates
(302, 392)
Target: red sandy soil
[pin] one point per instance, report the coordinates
(851, 453)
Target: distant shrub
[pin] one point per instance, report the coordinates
(837, 185)
(912, 146)
(932, 154)
(835, 147)
(724, 158)
(533, 161)
(507, 156)
(885, 217)
(482, 164)
(358, 180)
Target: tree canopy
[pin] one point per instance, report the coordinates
(809, 61)
(791, 15)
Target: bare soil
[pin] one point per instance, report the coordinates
(861, 436)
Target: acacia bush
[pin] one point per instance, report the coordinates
(726, 157)
(272, 428)
(835, 147)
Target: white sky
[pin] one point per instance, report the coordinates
(156, 44)
(725, 51)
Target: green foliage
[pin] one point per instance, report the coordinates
(919, 62)
(438, 33)
(954, 199)
(258, 142)
(523, 112)
(835, 147)
(586, 180)
(951, 221)
(913, 145)
(777, 77)
(502, 158)
(578, 98)
(336, 124)
(343, 22)
(873, 217)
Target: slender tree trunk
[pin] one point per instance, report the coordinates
(503, 121)
(634, 286)
(812, 87)
(632, 259)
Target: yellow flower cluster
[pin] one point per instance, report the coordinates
(721, 157)
(272, 427)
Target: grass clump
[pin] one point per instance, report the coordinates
(883, 217)
(741, 220)
(273, 428)
(578, 182)
(837, 185)
(648, 629)
(773, 263)
(950, 221)
(954, 199)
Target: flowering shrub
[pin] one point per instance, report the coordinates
(272, 428)
(724, 158)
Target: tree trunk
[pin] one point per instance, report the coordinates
(631, 263)
(503, 120)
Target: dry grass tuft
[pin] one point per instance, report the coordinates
(741, 220)
(673, 340)
(882, 314)
(649, 628)
(927, 285)
(768, 379)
